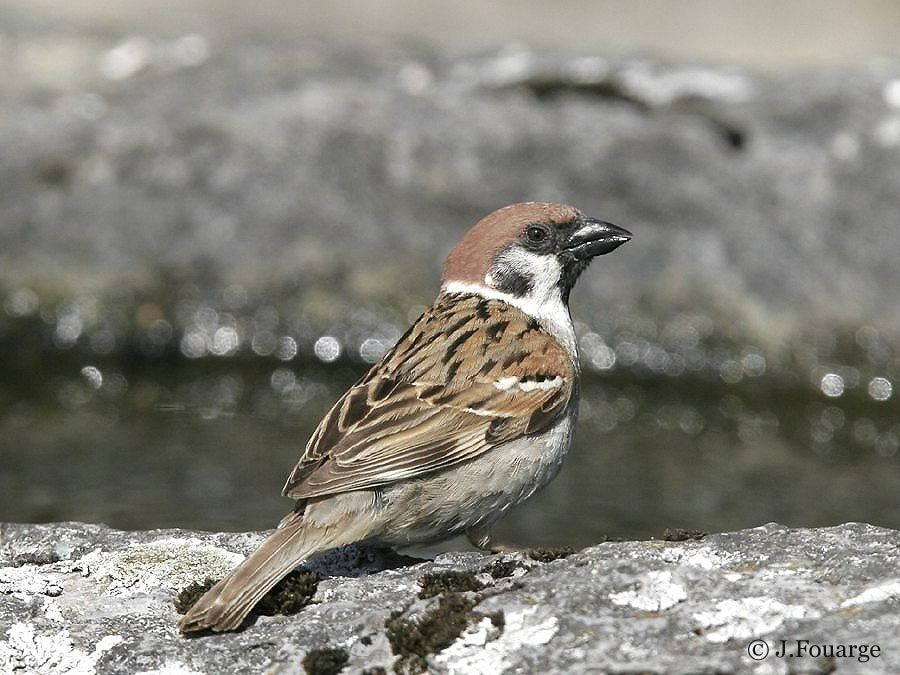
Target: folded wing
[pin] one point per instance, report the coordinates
(469, 375)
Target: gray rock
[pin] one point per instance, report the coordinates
(332, 177)
(80, 598)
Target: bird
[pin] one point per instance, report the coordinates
(469, 414)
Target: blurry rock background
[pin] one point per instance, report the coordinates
(214, 215)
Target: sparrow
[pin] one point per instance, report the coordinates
(469, 414)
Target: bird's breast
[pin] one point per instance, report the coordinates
(477, 493)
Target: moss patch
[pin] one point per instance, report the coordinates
(435, 583)
(546, 555)
(289, 595)
(414, 639)
(329, 661)
(501, 569)
(678, 534)
(191, 593)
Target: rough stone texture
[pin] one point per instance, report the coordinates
(83, 598)
(337, 173)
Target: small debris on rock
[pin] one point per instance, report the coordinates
(35, 558)
(328, 661)
(678, 534)
(546, 555)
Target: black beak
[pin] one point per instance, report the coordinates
(595, 237)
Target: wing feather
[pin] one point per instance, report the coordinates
(440, 397)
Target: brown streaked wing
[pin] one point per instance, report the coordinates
(433, 402)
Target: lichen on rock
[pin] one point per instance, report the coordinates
(106, 604)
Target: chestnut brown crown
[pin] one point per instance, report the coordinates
(472, 258)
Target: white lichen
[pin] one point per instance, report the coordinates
(481, 650)
(747, 617)
(167, 564)
(885, 591)
(28, 580)
(705, 558)
(26, 651)
(655, 592)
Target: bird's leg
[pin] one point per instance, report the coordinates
(481, 538)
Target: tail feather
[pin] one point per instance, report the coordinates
(227, 604)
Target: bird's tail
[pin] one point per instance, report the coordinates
(226, 605)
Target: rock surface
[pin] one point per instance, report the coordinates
(78, 598)
(332, 176)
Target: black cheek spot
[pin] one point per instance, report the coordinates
(512, 281)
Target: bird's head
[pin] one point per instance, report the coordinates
(534, 251)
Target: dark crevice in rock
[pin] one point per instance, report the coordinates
(388, 558)
(610, 89)
(731, 133)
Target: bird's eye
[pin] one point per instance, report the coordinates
(535, 234)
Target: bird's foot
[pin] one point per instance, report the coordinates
(482, 539)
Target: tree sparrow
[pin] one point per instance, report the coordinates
(469, 414)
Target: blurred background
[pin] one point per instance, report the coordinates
(215, 215)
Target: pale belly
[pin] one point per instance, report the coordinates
(473, 495)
